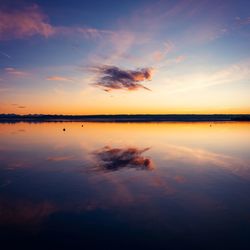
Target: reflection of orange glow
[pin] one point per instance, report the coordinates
(24, 212)
(115, 103)
(200, 143)
(180, 179)
(221, 136)
(202, 158)
(182, 153)
(60, 158)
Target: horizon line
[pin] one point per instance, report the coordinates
(123, 114)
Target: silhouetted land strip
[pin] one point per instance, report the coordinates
(12, 118)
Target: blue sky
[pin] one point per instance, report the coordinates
(88, 57)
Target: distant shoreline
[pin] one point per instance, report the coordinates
(13, 118)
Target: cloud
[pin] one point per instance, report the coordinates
(18, 106)
(159, 55)
(5, 55)
(113, 159)
(59, 78)
(244, 21)
(180, 59)
(31, 21)
(60, 158)
(24, 23)
(86, 32)
(15, 72)
(24, 212)
(111, 77)
(231, 74)
(201, 157)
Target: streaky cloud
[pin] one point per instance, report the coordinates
(15, 72)
(60, 158)
(5, 55)
(243, 21)
(31, 21)
(59, 78)
(23, 23)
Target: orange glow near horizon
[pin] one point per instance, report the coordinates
(93, 102)
(117, 111)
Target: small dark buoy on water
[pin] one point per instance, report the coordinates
(64, 129)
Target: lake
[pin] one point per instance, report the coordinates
(152, 185)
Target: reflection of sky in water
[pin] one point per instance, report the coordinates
(93, 182)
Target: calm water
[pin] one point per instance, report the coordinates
(125, 186)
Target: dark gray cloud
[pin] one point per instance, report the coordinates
(112, 77)
(113, 159)
(18, 106)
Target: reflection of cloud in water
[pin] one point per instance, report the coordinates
(112, 159)
(203, 157)
(16, 212)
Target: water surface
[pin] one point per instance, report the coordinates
(125, 185)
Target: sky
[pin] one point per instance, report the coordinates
(125, 57)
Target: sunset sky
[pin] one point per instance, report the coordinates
(124, 57)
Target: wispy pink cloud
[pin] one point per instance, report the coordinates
(24, 23)
(60, 158)
(15, 72)
(228, 75)
(160, 55)
(180, 59)
(59, 78)
(85, 32)
(117, 46)
(31, 21)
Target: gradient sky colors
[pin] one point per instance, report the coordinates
(110, 57)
